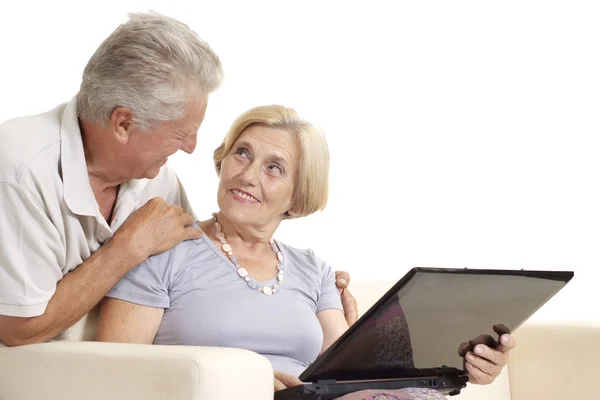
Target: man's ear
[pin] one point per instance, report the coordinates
(122, 124)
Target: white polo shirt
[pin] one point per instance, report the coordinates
(50, 221)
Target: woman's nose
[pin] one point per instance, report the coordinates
(250, 175)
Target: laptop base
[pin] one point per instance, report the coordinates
(328, 390)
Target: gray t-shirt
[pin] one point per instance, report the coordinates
(207, 304)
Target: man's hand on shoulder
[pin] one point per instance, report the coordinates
(157, 227)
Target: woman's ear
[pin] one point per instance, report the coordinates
(289, 214)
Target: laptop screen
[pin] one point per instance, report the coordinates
(421, 323)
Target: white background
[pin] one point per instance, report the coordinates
(462, 133)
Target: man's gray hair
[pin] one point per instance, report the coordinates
(152, 64)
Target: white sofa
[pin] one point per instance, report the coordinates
(552, 361)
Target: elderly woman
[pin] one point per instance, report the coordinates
(238, 287)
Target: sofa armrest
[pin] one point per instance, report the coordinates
(555, 360)
(94, 371)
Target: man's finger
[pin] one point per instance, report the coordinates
(342, 279)
(187, 219)
(507, 343)
(483, 364)
(192, 233)
(492, 355)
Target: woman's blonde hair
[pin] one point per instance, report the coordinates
(312, 186)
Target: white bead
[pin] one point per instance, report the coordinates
(243, 272)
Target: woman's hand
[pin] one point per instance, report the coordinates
(284, 381)
(485, 358)
(342, 280)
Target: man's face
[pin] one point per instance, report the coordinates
(148, 152)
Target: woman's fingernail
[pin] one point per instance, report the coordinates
(470, 356)
(478, 349)
(342, 281)
(504, 339)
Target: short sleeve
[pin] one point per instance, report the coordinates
(147, 283)
(31, 253)
(329, 298)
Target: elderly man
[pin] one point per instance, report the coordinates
(85, 194)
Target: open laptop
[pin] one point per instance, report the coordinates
(412, 336)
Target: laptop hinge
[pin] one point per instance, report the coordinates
(326, 382)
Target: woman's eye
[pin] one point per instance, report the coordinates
(276, 169)
(242, 152)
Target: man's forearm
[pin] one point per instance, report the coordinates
(76, 294)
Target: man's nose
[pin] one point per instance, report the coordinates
(189, 144)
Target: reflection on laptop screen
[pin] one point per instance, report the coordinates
(422, 324)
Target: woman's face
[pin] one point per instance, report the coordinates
(258, 176)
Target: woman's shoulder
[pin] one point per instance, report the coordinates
(304, 258)
(296, 252)
(183, 254)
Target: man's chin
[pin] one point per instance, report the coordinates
(151, 173)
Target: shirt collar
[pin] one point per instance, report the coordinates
(78, 193)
